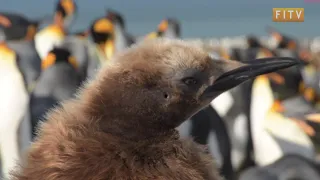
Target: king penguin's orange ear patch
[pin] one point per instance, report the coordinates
(68, 6)
(48, 61)
(103, 26)
(4, 21)
(163, 26)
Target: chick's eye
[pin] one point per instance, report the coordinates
(190, 81)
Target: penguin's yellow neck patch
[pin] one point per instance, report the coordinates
(48, 61)
(109, 49)
(7, 53)
(151, 35)
(224, 54)
(54, 30)
(51, 58)
(277, 107)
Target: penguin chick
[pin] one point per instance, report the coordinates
(122, 124)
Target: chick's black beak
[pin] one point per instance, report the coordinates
(240, 73)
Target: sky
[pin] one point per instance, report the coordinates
(202, 18)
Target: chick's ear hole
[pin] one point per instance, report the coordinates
(166, 95)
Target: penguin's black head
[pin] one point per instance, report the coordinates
(115, 17)
(66, 10)
(101, 30)
(58, 55)
(18, 27)
(163, 82)
(253, 42)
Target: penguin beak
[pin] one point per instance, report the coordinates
(235, 73)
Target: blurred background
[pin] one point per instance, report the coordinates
(203, 19)
(267, 128)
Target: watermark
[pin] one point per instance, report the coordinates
(288, 14)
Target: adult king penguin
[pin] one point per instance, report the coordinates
(19, 36)
(58, 82)
(54, 34)
(122, 124)
(102, 48)
(122, 38)
(168, 28)
(18, 27)
(14, 102)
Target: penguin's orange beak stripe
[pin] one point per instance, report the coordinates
(31, 32)
(48, 61)
(68, 6)
(72, 60)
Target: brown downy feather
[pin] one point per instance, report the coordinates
(117, 130)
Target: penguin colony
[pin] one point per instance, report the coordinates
(252, 131)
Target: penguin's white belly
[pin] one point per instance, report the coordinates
(237, 128)
(213, 145)
(44, 43)
(13, 105)
(185, 128)
(239, 138)
(222, 103)
(289, 136)
(274, 135)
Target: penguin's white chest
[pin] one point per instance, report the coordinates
(45, 42)
(13, 95)
(13, 106)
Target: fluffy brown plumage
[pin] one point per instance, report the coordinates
(122, 125)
